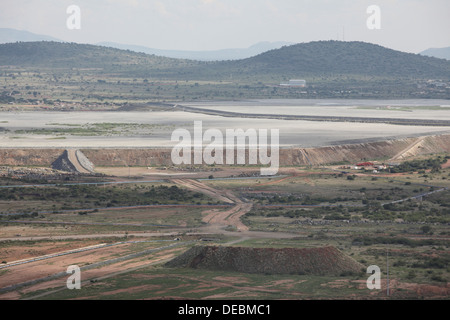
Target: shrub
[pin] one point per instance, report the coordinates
(411, 275)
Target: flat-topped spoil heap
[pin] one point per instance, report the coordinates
(311, 261)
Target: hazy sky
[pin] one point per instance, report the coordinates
(406, 25)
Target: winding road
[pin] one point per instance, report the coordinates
(217, 219)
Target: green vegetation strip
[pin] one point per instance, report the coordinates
(95, 129)
(84, 197)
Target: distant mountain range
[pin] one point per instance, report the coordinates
(214, 55)
(442, 53)
(319, 58)
(12, 35)
(8, 35)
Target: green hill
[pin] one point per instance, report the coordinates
(321, 58)
(332, 69)
(340, 58)
(51, 54)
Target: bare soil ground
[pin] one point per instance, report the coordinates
(14, 252)
(40, 269)
(446, 165)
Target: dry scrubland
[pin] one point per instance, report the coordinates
(334, 216)
(309, 232)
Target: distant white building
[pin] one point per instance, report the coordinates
(294, 83)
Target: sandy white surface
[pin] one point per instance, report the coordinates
(292, 132)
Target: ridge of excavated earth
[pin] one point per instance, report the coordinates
(387, 149)
(310, 261)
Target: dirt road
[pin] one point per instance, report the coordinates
(231, 217)
(410, 150)
(202, 188)
(71, 154)
(217, 218)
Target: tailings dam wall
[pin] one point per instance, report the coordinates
(389, 149)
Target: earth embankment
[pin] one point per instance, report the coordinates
(295, 156)
(311, 261)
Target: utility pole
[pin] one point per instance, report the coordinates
(387, 268)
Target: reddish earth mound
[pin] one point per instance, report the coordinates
(313, 261)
